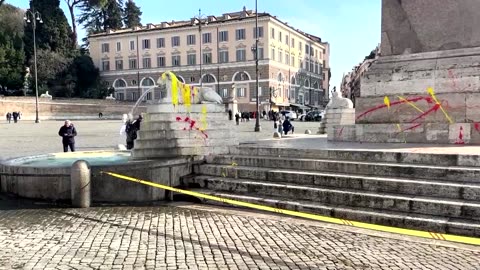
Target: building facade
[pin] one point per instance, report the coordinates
(350, 86)
(218, 52)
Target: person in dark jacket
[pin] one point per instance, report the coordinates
(287, 126)
(68, 133)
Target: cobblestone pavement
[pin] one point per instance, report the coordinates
(202, 237)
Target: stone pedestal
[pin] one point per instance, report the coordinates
(340, 124)
(169, 131)
(433, 98)
(425, 87)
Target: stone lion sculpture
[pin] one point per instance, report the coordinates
(180, 92)
(337, 102)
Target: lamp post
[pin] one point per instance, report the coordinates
(35, 16)
(257, 119)
(199, 18)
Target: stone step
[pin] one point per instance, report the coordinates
(153, 153)
(182, 134)
(176, 125)
(381, 217)
(346, 197)
(199, 141)
(407, 186)
(362, 155)
(445, 173)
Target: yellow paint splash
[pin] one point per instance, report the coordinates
(186, 96)
(174, 89)
(203, 118)
(410, 103)
(386, 100)
(432, 93)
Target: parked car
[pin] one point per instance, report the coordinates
(290, 114)
(302, 117)
(314, 116)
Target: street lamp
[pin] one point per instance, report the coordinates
(257, 120)
(35, 16)
(199, 18)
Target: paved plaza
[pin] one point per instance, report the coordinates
(44, 235)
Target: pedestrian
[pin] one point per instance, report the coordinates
(131, 133)
(19, 115)
(9, 117)
(237, 119)
(15, 117)
(287, 126)
(68, 133)
(230, 113)
(274, 118)
(100, 115)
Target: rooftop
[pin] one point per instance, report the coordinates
(211, 19)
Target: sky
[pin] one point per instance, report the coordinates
(352, 27)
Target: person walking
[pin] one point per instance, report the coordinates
(9, 117)
(15, 117)
(68, 133)
(237, 119)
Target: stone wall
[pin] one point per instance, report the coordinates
(411, 26)
(59, 109)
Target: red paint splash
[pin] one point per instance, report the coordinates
(415, 99)
(477, 126)
(460, 136)
(433, 109)
(340, 132)
(191, 125)
(412, 127)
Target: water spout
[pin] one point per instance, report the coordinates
(132, 112)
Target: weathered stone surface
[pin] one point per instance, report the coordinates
(420, 26)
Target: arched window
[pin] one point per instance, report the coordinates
(181, 79)
(307, 83)
(315, 85)
(241, 76)
(208, 78)
(280, 77)
(148, 82)
(119, 83)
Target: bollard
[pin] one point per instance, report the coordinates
(80, 184)
(308, 131)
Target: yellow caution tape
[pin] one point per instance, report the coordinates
(424, 234)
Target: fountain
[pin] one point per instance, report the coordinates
(178, 131)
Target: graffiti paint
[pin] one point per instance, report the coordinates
(186, 96)
(432, 94)
(410, 103)
(415, 99)
(386, 101)
(191, 125)
(460, 136)
(476, 125)
(203, 118)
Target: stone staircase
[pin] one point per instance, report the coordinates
(434, 192)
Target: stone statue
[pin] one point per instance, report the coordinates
(46, 95)
(337, 102)
(202, 95)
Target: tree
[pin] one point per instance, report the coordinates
(53, 34)
(131, 15)
(1, 2)
(52, 68)
(71, 8)
(85, 76)
(107, 14)
(12, 56)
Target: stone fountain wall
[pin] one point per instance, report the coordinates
(172, 131)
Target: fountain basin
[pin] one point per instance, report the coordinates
(48, 176)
